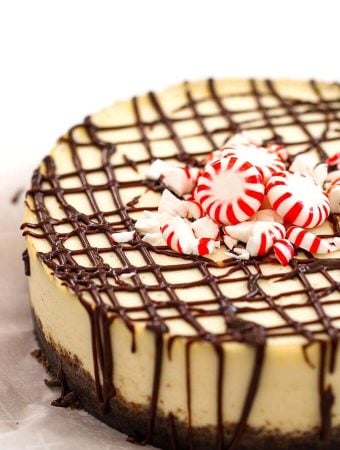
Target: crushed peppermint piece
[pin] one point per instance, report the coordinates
(123, 236)
(283, 251)
(154, 238)
(308, 241)
(203, 246)
(127, 275)
(305, 165)
(229, 242)
(205, 227)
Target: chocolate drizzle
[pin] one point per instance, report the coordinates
(84, 280)
(26, 260)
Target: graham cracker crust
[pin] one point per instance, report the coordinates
(169, 433)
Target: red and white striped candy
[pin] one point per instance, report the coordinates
(205, 228)
(279, 150)
(266, 163)
(171, 204)
(235, 140)
(243, 138)
(333, 194)
(307, 240)
(283, 251)
(203, 246)
(263, 237)
(178, 235)
(181, 180)
(230, 190)
(193, 208)
(259, 243)
(298, 199)
(243, 231)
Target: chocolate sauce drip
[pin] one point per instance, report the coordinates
(99, 278)
(26, 259)
(16, 196)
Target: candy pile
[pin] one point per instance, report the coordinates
(244, 194)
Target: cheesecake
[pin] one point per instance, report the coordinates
(214, 349)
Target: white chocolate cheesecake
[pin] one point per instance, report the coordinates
(176, 350)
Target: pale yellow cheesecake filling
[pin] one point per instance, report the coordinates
(288, 395)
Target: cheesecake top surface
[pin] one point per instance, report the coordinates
(93, 184)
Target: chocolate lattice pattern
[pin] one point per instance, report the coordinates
(100, 189)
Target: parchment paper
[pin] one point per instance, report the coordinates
(27, 420)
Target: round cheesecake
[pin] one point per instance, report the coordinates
(177, 350)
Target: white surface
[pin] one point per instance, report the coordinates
(62, 60)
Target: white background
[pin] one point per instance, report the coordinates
(60, 60)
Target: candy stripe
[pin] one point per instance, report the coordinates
(267, 163)
(230, 190)
(307, 240)
(298, 199)
(284, 251)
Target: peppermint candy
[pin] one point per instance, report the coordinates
(241, 231)
(230, 190)
(229, 242)
(123, 236)
(283, 251)
(203, 246)
(308, 241)
(279, 150)
(266, 163)
(298, 199)
(235, 140)
(205, 228)
(263, 237)
(153, 238)
(305, 165)
(180, 180)
(156, 169)
(179, 236)
(149, 223)
(194, 209)
(171, 204)
(260, 243)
